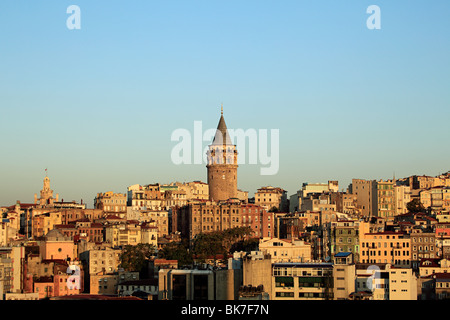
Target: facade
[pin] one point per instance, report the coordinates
(365, 196)
(119, 235)
(258, 219)
(281, 250)
(402, 198)
(45, 222)
(198, 285)
(85, 229)
(302, 281)
(344, 275)
(103, 259)
(110, 202)
(385, 196)
(144, 287)
(208, 216)
(56, 246)
(271, 197)
(157, 218)
(11, 266)
(344, 237)
(402, 284)
(386, 247)
(423, 246)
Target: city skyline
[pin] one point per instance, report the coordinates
(97, 106)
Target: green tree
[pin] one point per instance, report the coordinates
(274, 209)
(218, 242)
(415, 206)
(135, 258)
(177, 251)
(245, 245)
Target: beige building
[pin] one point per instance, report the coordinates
(272, 197)
(402, 284)
(5, 233)
(402, 198)
(344, 275)
(131, 233)
(296, 200)
(386, 247)
(365, 191)
(111, 202)
(385, 199)
(123, 234)
(282, 250)
(42, 223)
(436, 199)
(147, 197)
(102, 259)
(257, 271)
(157, 218)
(11, 266)
(108, 284)
(430, 266)
(196, 190)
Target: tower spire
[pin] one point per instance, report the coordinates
(221, 109)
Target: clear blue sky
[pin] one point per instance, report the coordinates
(97, 106)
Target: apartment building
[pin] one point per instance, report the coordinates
(423, 246)
(366, 196)
(386, 247)
(344, 237)
(282, 250)
(272, 197)
(111, 202)
(258, 219)
(302, 281)
(209, 216)
(130, 233)
(344, 275)
(402, 284)
(402, 198)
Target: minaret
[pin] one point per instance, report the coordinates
(222, 165)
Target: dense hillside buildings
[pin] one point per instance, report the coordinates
(377, 240)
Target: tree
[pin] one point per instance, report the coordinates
(274, 209)
(135, 258)
(246, 245)
(176, 251)
(218, 242)
(415, 206)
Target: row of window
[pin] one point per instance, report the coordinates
(396, 261)
(391, 244)
(317, 295)
(392, 253)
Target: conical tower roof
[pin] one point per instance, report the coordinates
(222, 136)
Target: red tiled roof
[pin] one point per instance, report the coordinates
(96, 225)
